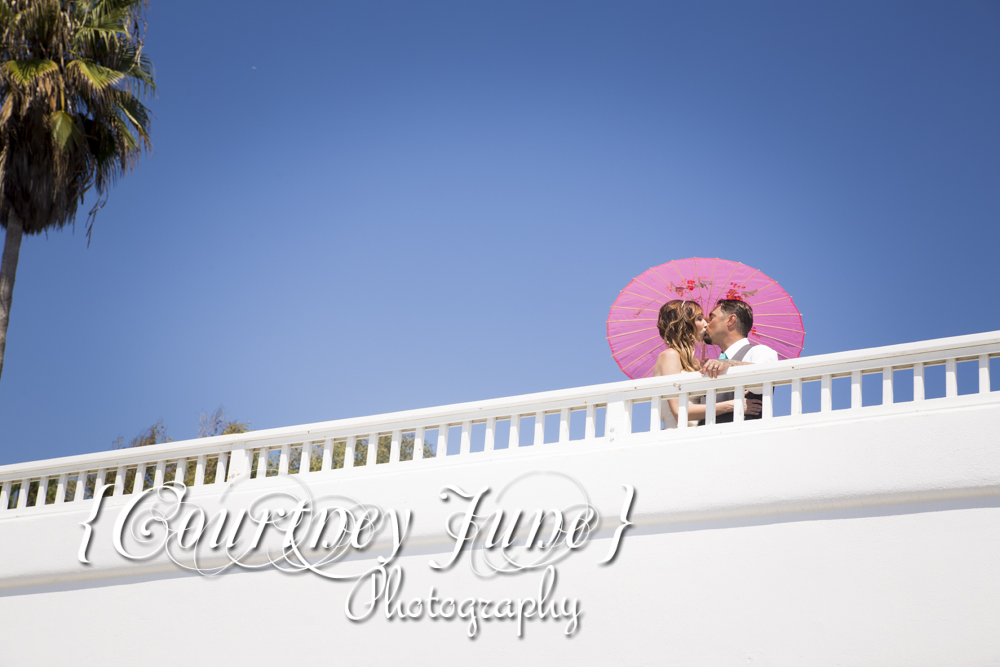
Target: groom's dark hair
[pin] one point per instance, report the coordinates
(742, 310)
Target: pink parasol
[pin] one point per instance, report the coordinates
(632, 333)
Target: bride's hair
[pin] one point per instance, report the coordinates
(677, 329)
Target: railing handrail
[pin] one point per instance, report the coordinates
(957, 347)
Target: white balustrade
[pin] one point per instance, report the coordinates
(234, 453)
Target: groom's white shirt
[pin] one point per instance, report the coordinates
(758, 354)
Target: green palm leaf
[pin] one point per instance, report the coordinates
(24, 71)
(64, 131)
(99, 76)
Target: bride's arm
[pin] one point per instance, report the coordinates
(669, 363)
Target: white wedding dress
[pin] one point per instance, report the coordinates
(667, 418)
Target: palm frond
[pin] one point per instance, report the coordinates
(24, 71)
(65, 133)
(98, 76)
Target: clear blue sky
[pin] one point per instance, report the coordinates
(361, 208)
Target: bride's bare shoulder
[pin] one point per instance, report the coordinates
(668, 353)
(667, 362)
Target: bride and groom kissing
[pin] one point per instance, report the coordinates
(682, 324)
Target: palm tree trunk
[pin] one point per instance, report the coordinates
(8, 267)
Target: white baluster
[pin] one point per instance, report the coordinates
(418, 444)
(710, 407)
(241, 466)
(305, 460)
(515, 436)
(99, 481)
(5, 495)
(466, 445)
(43, 491)
(22, 494)
(283, 459)
(159, 474)
(372, 450)
(856, 390)
(984, 374)
(394, 446)
(181, 472)
(627, 418)
(442, 447)
(199, 470)
(797, 396)
(81, 484)
(564, 425)
(918, 382)
(950, 379)
(491, 427)
(60, 491)
(539, 428)
(120, 481)
(262, 463)
(590, 428)
(767, 401)
(352, 441)
(682, 410)
(327, 454)
(655, 421)
(826, 394)
(739, 405)
(887, 385)
(616, 418)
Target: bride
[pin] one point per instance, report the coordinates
(681, 325)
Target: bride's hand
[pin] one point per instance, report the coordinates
(751, 406)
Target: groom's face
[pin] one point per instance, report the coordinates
(716, 329)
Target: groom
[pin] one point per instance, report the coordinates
(728, 325)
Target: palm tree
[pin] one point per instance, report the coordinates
(72, 73)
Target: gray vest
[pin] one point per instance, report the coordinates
(728, 395)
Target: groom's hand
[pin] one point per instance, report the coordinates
(713, 368)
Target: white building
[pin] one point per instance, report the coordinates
(866, 532)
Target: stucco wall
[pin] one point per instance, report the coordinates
(871, 540)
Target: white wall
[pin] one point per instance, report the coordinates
(871, 540)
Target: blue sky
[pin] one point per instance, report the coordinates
(353, 209)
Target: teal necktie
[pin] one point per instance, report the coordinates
(723, 356)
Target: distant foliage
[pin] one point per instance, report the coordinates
(154, 435)
(218, 423)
